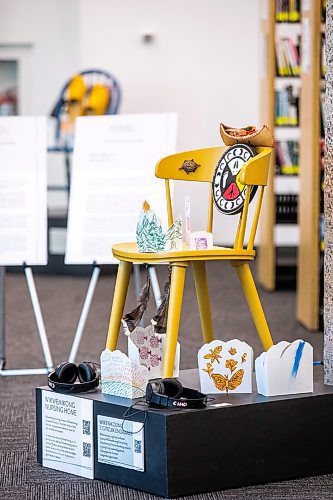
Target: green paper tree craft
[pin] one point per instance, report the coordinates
(149, 232)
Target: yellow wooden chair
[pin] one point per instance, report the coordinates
(254, 173)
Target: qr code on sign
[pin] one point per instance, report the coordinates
(86, 427)
(137, 446)
(86, 449)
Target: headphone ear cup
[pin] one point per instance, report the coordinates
(86, 372)
(66, 373)
(171, 387)
(154, 386)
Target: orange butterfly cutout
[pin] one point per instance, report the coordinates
(223, 383)
(232, 351)
(214, 354)
(244, 357)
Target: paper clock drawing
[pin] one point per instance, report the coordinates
(149, 233)
(225, 367)
(121, 376)
(286, 368)
(146, 348)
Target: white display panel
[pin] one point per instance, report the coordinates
(67, 430)
(120, 443)
(23, 191)
(113, 173)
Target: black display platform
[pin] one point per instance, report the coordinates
(250, 440)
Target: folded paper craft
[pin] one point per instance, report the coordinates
(174, 237)
(149, 233)
(286, 368)
(146, 345)
(200, 240)
(147, 348)
(121, 376)
(187, 219)
(225, 366)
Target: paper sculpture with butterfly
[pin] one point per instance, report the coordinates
(225, 367)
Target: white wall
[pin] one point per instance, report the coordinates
(46, 34)
(203, 63)
(43, 36)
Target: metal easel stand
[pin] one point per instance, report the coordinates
(90, 293)
(41, 331)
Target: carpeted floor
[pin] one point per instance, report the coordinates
(61, 298)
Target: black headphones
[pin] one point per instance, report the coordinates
(63, 378)
(169, 393)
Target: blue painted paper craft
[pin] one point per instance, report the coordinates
(286, 368)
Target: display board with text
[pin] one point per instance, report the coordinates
(23, 190)
(113, 173)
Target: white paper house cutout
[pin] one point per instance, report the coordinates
(200, 240)
(286, 368)
(146, 348)
(225, 367)
(121, 376)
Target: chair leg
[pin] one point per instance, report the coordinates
(253, 300)
(201, 286)
(178, 273)
(118, 303)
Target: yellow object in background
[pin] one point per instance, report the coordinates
(97, 101)
(75, 93)
(76, 89)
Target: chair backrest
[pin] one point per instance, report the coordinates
(200, 166)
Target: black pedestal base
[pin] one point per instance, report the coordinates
(250, 440)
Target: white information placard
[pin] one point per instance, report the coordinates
(113, 173)
(67, 430)
(23, 191)
(120, 442)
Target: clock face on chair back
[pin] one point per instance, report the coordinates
(228, 192)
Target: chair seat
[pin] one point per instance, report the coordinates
(129, 252)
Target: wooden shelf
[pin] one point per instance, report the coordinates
(309, 201)
(266, 252)
(271, 234)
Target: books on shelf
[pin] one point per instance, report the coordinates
(286, 107)
(287, 56)
(323, 11)
(322, 172)
(286, 208)
(287, 11)
(321, 231)
(322, 112)
(323, 56)
(287, 159)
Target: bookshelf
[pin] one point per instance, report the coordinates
(280, 97)
(310, 256)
